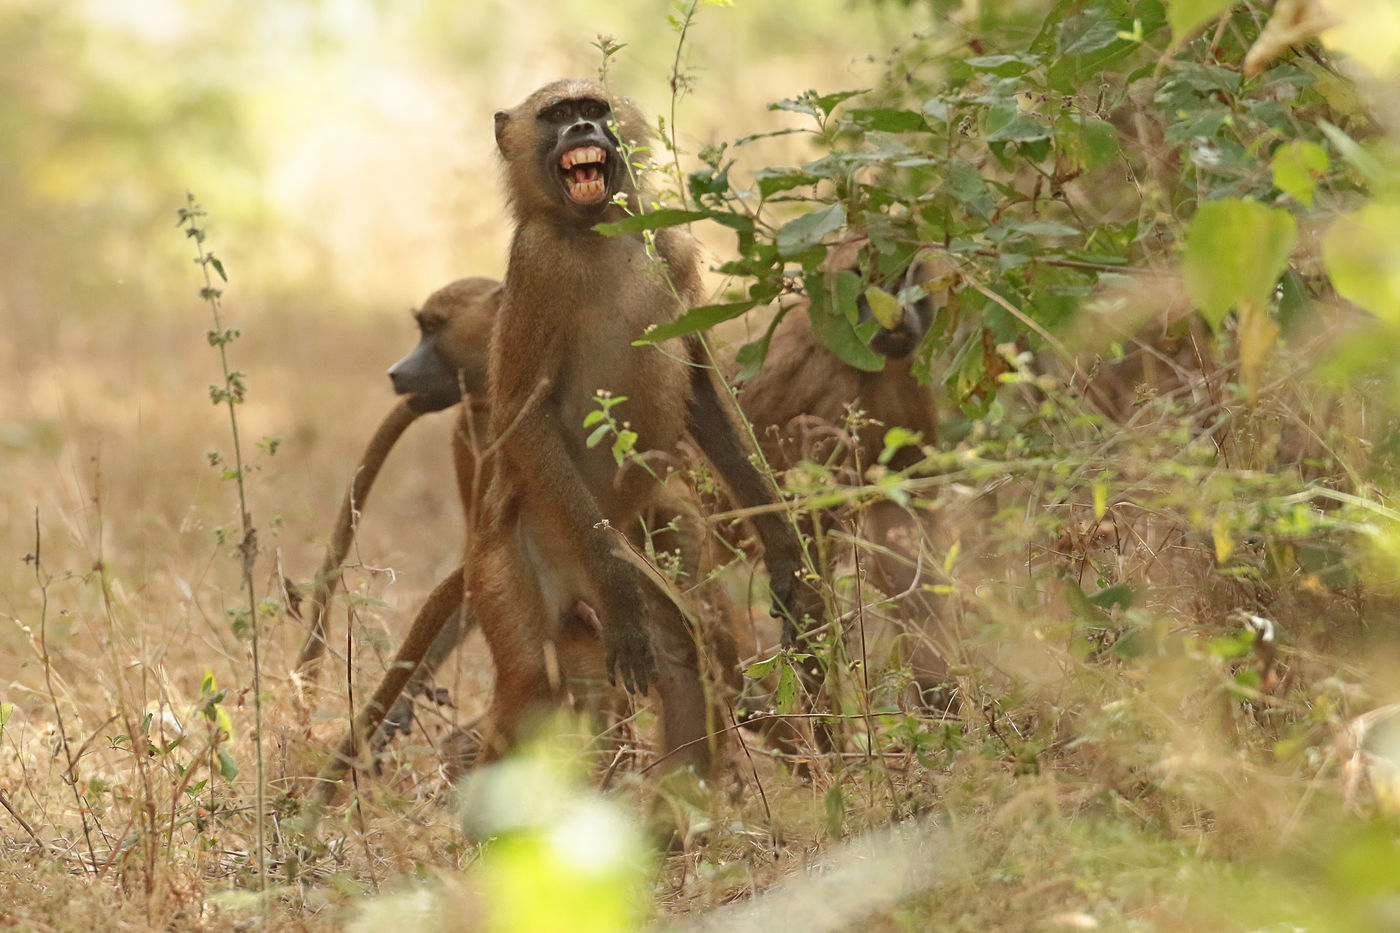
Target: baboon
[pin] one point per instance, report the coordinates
(458, 317)
(800, 402)
(573, 302)
(448, 366)
(804, 391)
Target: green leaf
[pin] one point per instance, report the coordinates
(896, 439)
(1235, 251)
(652, 220)
(1296, 167)
(1362, 254)
(596, 438)
(786, 694)
(1185, 16)
(969, 188)
(884, 306)
(673, 217)
(832, 321)
(593, 417)
(1120, 594)
(1090, 142)
(813, 104)
(772, 181)
(751, 355)
(888, 120)
(810, 229)
(696, 319)
(1088, 33)
(228, 768)
(1004, 66)
(761, 669)
(1357, 156)
(835, 810)
(6, 711)
(1006, 123)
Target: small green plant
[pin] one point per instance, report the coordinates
(605, 424)
(230, 394)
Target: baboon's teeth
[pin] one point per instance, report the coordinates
(588, 192)
(582, 155)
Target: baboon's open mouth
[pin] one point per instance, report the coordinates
(583, 174)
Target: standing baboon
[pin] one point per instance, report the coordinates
(448, 366)
(573, 302)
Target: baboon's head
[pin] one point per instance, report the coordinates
(563, 150)
(935, 275)
(454, 325)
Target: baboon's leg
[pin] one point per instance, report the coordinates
(400, 718)
(510, 608)
(894, 568)
(398, 419)
(444, 600)
(685, 733)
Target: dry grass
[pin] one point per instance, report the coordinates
(1140, 766)
(1114, 767)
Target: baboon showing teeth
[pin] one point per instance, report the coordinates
(573, 302)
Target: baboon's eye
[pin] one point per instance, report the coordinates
(594, 110)
(556, 114)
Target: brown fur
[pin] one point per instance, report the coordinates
(800, 406)
(572, 304)
(457, 316)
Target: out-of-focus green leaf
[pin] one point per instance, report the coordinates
(810, 229)
(228, 768)
(1185, 16)
(1362, 254)
(888, 120)
(1235, 251)
(1006, 123)
(1005, 66)
(1296, 167)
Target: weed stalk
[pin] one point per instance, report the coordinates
(230, 395)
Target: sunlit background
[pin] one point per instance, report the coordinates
(344, 153)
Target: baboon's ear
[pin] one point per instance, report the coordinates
(502, 118)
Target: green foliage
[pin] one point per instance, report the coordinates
(1098, 141)
(1235, 252)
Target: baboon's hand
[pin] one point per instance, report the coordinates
(398, 720)
(630, 658)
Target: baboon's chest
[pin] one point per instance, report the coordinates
(652, 382)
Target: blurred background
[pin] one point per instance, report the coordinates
(343, 150)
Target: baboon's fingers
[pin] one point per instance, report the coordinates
(632, 659)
